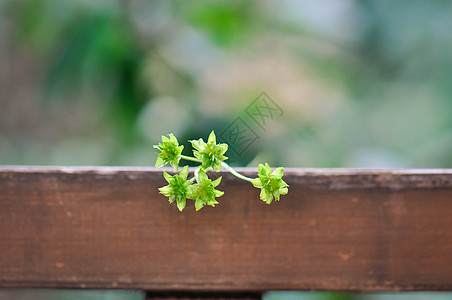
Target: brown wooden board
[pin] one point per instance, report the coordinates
(101, 227)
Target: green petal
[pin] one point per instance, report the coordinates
(160, 162)
(260, 169)
(218, 166)
(197, 154)
(202, 144)
(184, 172)
(194, 144)
(168, 177)
(276, 195)
(222, 157)
(283, 184)
(212, 138)
(218, 193)
(283, 191)
(278, 173)
(212, 202)
(202, 176)
(173, 139)
(266, 196)
(198, 144)
(267, 169)
(217, 181)
(165, 139)
(181, 203)
(263, 195)
(191, 189)
(257, 182)
(175, 164)
(199, 204)
(165, 190)
(223, 148)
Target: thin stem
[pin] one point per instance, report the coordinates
(235, 173)
(225, 165)
(197, 174)
(190, 158)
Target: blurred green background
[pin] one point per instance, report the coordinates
(361, 83)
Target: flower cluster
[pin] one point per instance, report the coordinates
(179, 188)
(170, 152)
(200, 188)
(204, 192)
(270, 183)
(210, 153)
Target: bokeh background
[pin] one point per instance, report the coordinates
(363, 84)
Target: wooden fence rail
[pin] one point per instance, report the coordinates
(108, 227)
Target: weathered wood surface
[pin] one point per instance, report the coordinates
(335, 230)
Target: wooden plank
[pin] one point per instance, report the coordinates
(335, 230)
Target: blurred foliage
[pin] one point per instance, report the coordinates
(88, 46)
(43, 294)
(225, 23)
(362, 83)
(294, 295)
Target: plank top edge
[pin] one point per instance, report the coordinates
(292, 171)
(333, 179)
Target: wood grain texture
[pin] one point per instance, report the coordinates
(69, 227)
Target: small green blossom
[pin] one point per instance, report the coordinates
(170, 152)
(270, 183)
(210, 153)
(204, 191)
(177, 188)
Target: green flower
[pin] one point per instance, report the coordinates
(270, 183)
(170, 152)
(204, 191)
(210, 153)
(178, 188)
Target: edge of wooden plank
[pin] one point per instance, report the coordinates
(333, 179)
